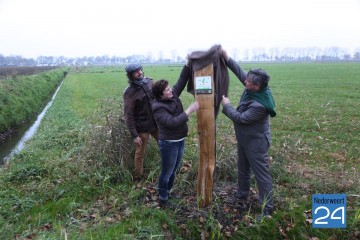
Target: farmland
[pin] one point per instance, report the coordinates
(12, 71)
(69, 183)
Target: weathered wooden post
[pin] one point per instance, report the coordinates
(204, 95)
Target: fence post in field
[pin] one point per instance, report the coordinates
(204, 95)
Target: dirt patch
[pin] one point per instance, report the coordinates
(222, 217)
(338, 157)
(225, 212)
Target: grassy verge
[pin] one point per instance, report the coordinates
(21, 97)
(73, 179)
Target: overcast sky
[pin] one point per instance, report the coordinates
(76, 28)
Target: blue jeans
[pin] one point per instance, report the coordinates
(171, 156)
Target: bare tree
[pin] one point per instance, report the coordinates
(161, 56)
(246, 54)
(173, 55)
(234, 53)
(150, 57)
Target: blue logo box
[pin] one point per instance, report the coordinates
(329, 210)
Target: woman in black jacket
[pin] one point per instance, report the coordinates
(171, 120)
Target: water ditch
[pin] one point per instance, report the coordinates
(15, 143)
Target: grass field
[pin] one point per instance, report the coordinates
(67, 184)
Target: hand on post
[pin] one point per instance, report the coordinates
(224, 100)
(192, 108)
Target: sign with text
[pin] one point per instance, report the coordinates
(329, 210)
(203, 84)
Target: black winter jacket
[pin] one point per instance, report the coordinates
(169, 114)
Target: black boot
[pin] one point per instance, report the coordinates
(166, 204)
(265, 213)
(174, 196)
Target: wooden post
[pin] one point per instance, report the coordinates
(204, 95)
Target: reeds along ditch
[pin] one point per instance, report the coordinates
(22, 97)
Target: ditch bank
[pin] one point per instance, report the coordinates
(21, 101)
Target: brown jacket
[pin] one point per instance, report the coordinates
(201, 59)
(137, 108)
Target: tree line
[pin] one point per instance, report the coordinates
(275, 54)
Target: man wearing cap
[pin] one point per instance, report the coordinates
(138, 115)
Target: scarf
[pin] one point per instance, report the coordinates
(264, 97)
(138, 82)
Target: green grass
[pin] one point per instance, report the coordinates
(21, 97)
(62, 185)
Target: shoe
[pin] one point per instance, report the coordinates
(266, 213)
(174, 196)
(240, 200)
(240, 197)
(166, 204)
(243, 204)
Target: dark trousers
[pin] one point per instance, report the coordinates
(171, 156)
(253, 156)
